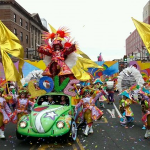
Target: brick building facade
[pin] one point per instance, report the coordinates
(134, 44)
(27, 27)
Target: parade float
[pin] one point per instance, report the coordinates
(129, 77)
(54, 112)
(129, 82)
(49, 120)
(134, 90)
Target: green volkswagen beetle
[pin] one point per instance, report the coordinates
(53, 115)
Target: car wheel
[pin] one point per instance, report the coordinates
(19, 136)
(73, 131)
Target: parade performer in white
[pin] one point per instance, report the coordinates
(5, 113)
(21, 105)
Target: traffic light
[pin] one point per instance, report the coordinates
(125, 58)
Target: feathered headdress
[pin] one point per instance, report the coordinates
(56, 37)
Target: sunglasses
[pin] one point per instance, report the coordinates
(21, 91)
(87, 93)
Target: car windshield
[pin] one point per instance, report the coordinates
(54, 100)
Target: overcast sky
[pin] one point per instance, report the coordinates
(99, 26)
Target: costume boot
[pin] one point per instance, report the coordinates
(86, 130)
(147, 134)
(91, 130)
(2, 134)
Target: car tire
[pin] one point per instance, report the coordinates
(19, 136)
(73, 131)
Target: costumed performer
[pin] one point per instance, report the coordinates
(110, 91)
(98, 87)
(145, 107)
(58, 50)
(5, 113)
(22, 104)
(146, 116)
(11, 97)
(125, 109)
(143, 100)
(91, 112)
(77, 89)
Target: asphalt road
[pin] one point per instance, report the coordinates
(108, 135)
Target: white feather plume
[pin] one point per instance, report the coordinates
(71, 59)
(132, 71)
(34, 74)
(47, 60)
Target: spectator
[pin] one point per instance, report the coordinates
(63, 100)
(50, 100)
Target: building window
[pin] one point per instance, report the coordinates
(32, 29)
(32, 41)
(21, 21)
(27, 39)
(15, 31)
(21, 36)
(26, 25)
(14, 17)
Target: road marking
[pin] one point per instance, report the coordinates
(79, 144)
(33, 147)
(74, 147)
(52, 146)
(112, 112)
(49, 146)
(44, 147)
(119, 114)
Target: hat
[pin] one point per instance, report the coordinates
(87, 91)
(146, 90)
(11, 87)
(78, 85)
(126, 94)
(98, 81)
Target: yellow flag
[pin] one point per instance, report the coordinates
(10, 44)
(39, 64)
(144, 32)
(82, 54)
(52, 29)
(81, 68)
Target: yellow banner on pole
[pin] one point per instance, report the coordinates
(144, 32)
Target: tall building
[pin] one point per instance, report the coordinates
(27, 27)
(134, 44)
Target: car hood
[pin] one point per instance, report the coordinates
(42, 118)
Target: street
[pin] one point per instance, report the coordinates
(108, 135)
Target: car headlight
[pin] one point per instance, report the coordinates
(23, 124)
(60, 124)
